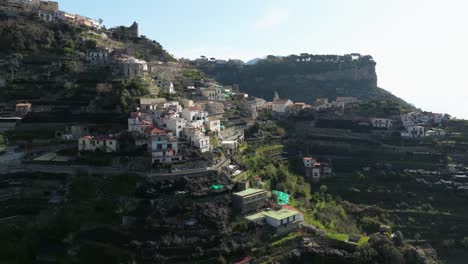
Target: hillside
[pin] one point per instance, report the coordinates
(48, 61)
(303, 78)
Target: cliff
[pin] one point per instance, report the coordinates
(302, 77)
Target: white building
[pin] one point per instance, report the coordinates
(315, 171)
(414, 132)
(435, 133)
(281, 106)
(194, 114)
(381, 122)
(201, 142)
(215, 93)
(47, 15)
(139, 122)
(132, 67)
(163, 147)
(213, 125)
(176, 125)
(282, 217)
(104, 144)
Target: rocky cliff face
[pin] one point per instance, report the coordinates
(302, 78)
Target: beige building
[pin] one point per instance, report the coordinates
(249, 200)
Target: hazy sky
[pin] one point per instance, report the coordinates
(420, 45)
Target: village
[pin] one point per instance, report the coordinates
(192, 141)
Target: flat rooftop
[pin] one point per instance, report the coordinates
(280, 214)
(249, 191)
(255, 217)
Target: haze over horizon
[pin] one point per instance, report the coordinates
(419, 46)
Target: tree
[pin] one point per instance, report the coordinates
(100, 22)
(398, 238)
(448, 243)
(280, 131)
(370, 224)
(323, 189)
(417, 236)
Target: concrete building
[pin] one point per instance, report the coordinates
(316, 171)
(47, 15)
(201, 142)
(213, 125)
(99, 55)
(194, 114)
(139, 122)
(281, 106)
(103, 144)
(23, 109)
(381, 122)
(414, 132)
(131, 67)
(151, 104)
(176, 125)
(283, 221)
(249, 200)
(163, 147)
(49, 6)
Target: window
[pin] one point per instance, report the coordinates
(159, 146)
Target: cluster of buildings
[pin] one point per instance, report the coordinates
(340, 102)
(283, 219)
(48, 11)
(162, 124)
(422, 124)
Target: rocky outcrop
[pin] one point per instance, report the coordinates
(302, 78)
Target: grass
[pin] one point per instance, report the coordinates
(339, 237)
(285, 239)
(268, 148)
(363, 241)
(243, 147)
(344, 238)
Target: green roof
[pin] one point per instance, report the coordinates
(216, 187)
(280, 214)
(283, 198)
(248, 192)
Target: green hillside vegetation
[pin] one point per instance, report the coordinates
(319, 76)
(46, 60)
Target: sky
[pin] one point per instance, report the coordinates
(420, 46)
